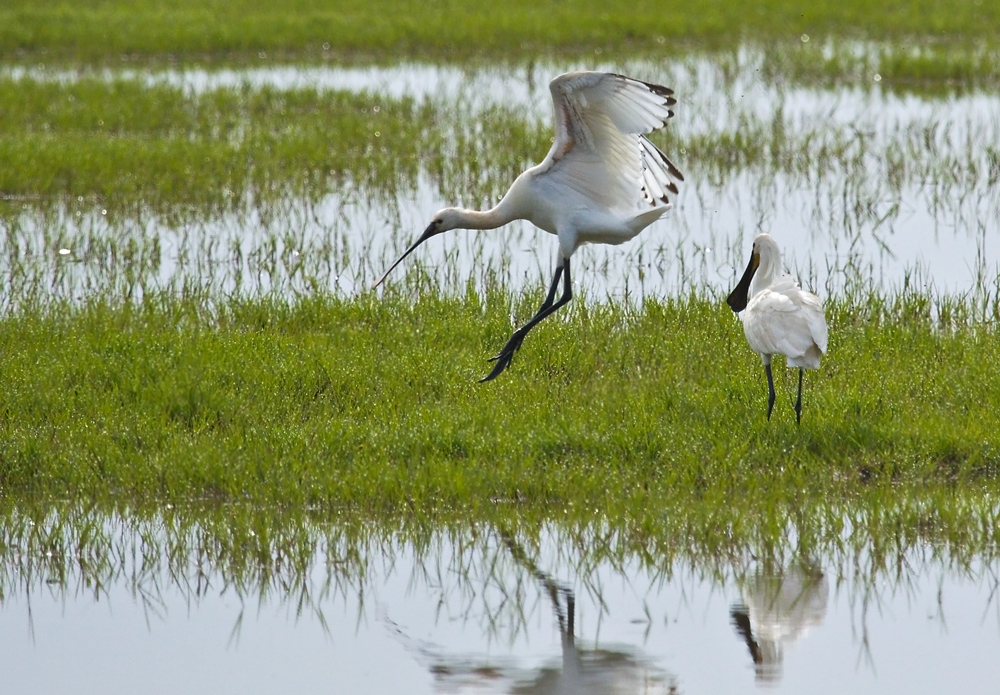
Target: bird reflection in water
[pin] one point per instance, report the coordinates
(621, 670)
(778, 607)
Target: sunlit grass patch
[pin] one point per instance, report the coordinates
(375, 404)
(315, 30)
(128, 145)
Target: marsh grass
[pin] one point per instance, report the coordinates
(931, 66)
(194, 387)
(122, 142)
(154, 187)
(874, 548)
(131, 147)
(242, 394)
(125, 145)
(373, 404)
(952, 37)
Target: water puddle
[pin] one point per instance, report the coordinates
(485, 610)
(341, 244)
(865, 186)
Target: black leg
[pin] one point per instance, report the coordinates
(798, 401)
(570, 611)
(770, 390)
(506, 354)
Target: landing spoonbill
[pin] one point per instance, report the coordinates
(583, 669)
(779, 318)
(602, 182)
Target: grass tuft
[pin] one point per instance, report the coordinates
(374, 404)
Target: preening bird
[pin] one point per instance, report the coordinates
(602, 182)
(779, 317)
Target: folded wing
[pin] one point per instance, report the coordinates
(787, 322)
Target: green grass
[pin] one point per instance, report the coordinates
(131, 147)
(104, 31)
(927, 44)
(373, 405)
(127, 147)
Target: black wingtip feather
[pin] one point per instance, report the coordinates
(657, 89)
(674, 171)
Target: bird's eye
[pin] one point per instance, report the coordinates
(439, 221)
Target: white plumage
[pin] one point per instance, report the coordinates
(601, 182)
(779, 317)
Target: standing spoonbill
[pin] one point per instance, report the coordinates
(779, 318)
(602, 182)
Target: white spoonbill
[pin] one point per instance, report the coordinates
(779, 317)
(602, 182)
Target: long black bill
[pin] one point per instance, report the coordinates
(738, 298)
(428, 233)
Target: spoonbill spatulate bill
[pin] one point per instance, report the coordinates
(779, 317)
(602, 182)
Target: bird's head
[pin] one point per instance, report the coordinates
(444, 220)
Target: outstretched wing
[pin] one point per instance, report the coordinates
(600, 147)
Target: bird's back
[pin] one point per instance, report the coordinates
(784, 319)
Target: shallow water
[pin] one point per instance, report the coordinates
(482, 610)
(911, 195)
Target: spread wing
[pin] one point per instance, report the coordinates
(600, 147)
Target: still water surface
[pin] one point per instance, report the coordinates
(910, 194)
(484, 612)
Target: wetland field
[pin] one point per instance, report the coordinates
(228, 465)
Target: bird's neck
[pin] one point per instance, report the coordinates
(488, 219)
(767, 273)
(759, 283)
